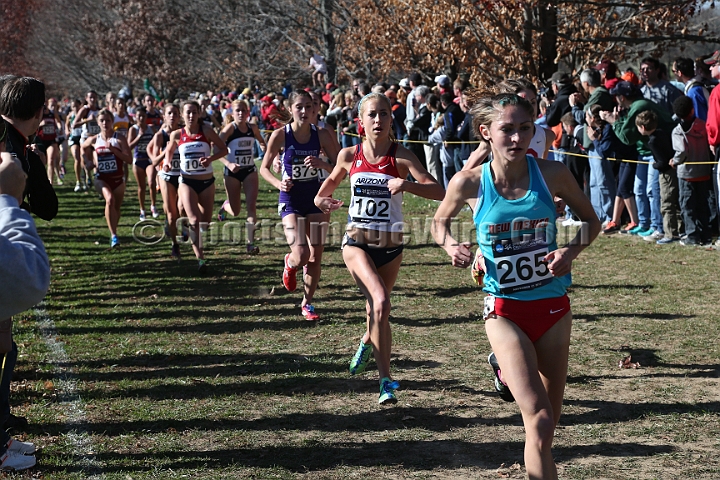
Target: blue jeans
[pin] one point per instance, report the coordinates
(257, 151)
(447, 157)
(602, 186)
(653, 193)
(458, 161)
(346, 141)
(640, 191)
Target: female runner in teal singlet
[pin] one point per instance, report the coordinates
(527, 313)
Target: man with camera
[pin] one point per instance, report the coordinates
(24, 187)
(21, 106)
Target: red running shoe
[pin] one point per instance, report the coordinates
(289, 276)
(308, 311)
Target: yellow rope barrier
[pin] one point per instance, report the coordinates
(473, 142)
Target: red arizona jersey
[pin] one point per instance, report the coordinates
(372, 206)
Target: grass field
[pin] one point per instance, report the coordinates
(165, 374)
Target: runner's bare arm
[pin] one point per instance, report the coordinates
(462, 190)
(276, 143)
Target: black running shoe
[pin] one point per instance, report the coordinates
(16, 422)
(500, 387)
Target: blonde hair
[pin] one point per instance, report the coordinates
(380, 97)
(402, 96)
(106, 112)
(240, 101)
(487, 106)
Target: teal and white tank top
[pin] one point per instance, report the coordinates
(514, 237)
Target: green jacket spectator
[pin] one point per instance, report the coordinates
(630, 98)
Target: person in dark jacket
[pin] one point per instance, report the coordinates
(465, 134)
(21, 106)
(660, 144)
(453, 117)
(563, 87)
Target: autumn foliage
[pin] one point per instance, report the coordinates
(493, 39)
(193, 44)
(16, 18)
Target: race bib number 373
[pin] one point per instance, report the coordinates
(302, 172)
(521, 265)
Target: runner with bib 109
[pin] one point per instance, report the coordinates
(304, 224)
(373, 244)
(169, 180)
(527, 312)
(196, 186)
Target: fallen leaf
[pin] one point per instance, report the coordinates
(627, 362)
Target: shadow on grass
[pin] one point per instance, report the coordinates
(219, 366)
(436, 292)
(208, 366)
(647, 357)
(435, 321)
(295, 381)
(399, 418)
(593, 317)
(318, 456)
(608, 286)
(603, 411)
(208, 328)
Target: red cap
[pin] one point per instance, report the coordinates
(608, 67)
(715, 58)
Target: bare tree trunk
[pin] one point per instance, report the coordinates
(326, 8)
(527, 38)
(547, 19)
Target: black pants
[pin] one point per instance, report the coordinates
(417, 148)
(580, 169)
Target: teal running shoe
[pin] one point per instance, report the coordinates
(387, 392)
(202, 266)
(361, 358)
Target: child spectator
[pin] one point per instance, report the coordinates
(660, 144)
(689, 139)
